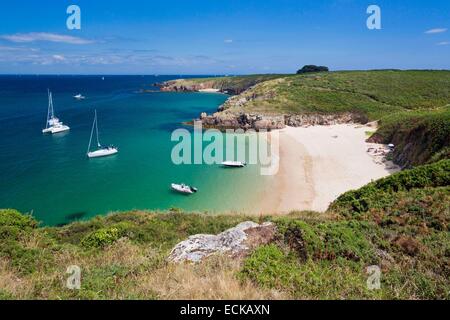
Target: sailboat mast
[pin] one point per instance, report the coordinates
(92, 131)
(96, 127)
(50, 102)
(48, 109)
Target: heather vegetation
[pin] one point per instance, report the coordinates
(373, 94)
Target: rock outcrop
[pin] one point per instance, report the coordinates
(239, 120)
(304, 120)
(245, 121)
(185, 86)
(235, 242)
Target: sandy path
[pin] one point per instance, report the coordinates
(319, 163)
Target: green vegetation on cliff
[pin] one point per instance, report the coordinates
(381, 192)
(229, 84)
(419, 136)
(372, 93)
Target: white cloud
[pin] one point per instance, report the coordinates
(228, 40)
(444, 43)
(436, 30)
(44, 36)
(59, 57)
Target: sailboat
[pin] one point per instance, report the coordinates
(53, 124)
(101, 151)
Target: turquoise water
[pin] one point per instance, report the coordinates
(50, 175)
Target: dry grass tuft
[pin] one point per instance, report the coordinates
(214, 279)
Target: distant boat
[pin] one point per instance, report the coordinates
(182, 188)
(79, 97)
(234, 164)
(53, 125)
(103, 78)
(101, 151)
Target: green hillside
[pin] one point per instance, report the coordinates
(419, 136)
(372, 93)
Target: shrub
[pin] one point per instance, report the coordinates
(329, 240)
(105, 236)
(312, 68)
(10, 217)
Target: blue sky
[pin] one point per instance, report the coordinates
(221, 37)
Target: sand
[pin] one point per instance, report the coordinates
(209, 90)
(319, 163)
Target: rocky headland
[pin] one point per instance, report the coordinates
(232, 115)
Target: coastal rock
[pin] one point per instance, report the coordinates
(304, 120)
(229, 120)
(235, 242)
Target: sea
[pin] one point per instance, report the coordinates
(51, 178)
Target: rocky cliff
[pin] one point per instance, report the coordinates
(240, 120)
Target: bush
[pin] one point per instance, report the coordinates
(312, 68)
(329, 240)
(105, 236)
(13, 218)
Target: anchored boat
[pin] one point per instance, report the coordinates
(101, 151)
(79, 97)
(53, 124)
(182, 188)
(234, 164)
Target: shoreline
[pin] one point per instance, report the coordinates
(319, 163)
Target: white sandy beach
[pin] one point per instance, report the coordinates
(319, 163)
(210, 90)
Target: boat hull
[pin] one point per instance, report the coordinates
(102, 153)
(54, 130)
(233, 164)
(183, 190)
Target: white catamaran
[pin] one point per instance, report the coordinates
(101, 151)
(53, 124)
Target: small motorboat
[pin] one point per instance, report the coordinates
(234, 164)
(79, 97)
(182, 188)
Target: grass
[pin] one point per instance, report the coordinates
(371, 93)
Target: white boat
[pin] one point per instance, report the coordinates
(234, 164)
(79, 97)
(53, 124)
(182, 188)
(101, 151)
